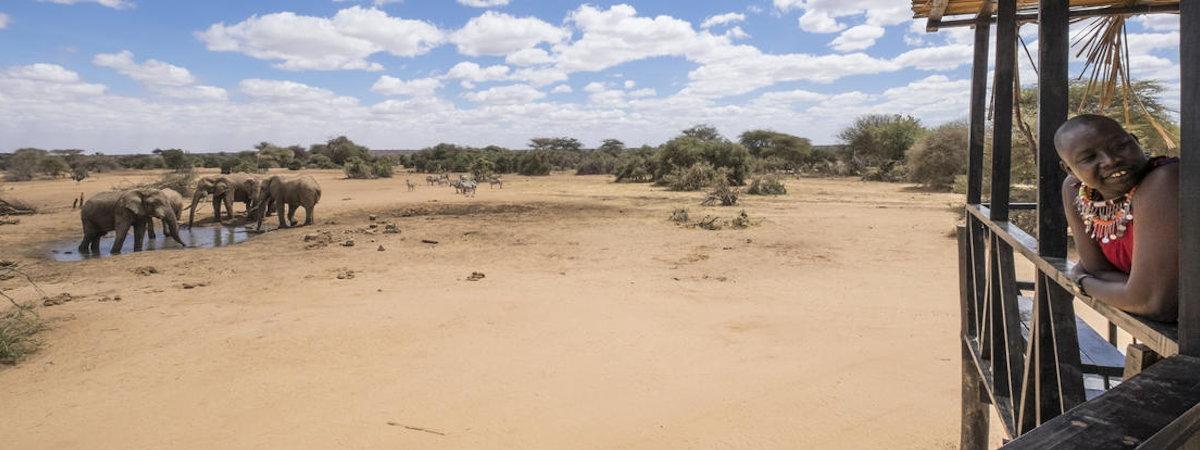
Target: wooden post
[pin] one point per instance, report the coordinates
(1002, 119)
(1138, 357)
(1189, 179)
(975, 416)
(975, 141)
(1053, 47)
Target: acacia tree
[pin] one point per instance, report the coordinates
(878, 140)
(773, 145)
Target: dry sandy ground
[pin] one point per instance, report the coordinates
(600, 324)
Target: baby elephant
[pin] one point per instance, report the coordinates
(175, 200)
(292, 192)
(117, 211)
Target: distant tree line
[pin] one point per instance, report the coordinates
(880, 147)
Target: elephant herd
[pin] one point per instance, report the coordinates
(137, 208)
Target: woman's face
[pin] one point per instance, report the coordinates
(1104, 157)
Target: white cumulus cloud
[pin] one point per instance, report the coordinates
(483, 3)
(860, 37)
(499, 34)
(722, 19)
(162, 78)
(506, 95)
(529, 57)
(115, 4)
(421, 87)
(343, 42)
(470, 71)
(3, 21)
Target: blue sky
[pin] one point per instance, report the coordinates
(125, 76)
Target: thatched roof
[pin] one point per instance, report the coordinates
(937, 9)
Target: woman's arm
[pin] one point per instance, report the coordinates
(1152, 288)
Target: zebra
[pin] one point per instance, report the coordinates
(495, 181)
(457, 184)
(431, 179)
(468, 186)
(411, 186)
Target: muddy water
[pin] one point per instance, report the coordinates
(207, 236)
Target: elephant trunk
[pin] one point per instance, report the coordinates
(173, 227)
(192, 208)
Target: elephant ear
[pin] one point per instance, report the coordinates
(134, 201)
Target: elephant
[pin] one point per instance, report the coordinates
(292, 192)
(117, 211)
(244, 188)
(175, 200)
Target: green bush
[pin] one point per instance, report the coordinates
(632, 169)
(685, 151)
(939, 156)
(767, 185)
(482, 168)
(295, 164)
(597, 163)
(356, 168)
(533, 164)
(382, 168)
(697, 177)
(245, 166)
(319, 161)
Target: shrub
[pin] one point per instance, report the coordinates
(79, 173)
(15, 207)
(724, 194)
(632, 169)
(295, 164)
(680, 215)
(227, 165)
(23, 164)
(17, 328)
(482, 168)
(939, 156)
(53, 166)
(685, 151)
(245, 166)
(382, 168)
(358, 169)
(767, 185)
(697, 177)
(741, 221)
(533, 164)
(320, 161)
(597, 163)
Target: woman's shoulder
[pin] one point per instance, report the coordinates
(1070, 186)
(1162, 179)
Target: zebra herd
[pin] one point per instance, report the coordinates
(463, 185)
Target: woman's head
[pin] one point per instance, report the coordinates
(1101, 154)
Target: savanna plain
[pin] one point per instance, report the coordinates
(557, 312)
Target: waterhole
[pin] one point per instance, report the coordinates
(202, 237)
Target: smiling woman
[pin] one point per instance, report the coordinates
(1111, 176)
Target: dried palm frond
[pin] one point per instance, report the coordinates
(1106, 47)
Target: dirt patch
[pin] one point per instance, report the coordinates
(145, 270)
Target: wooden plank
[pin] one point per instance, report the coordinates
(977, 132)
(1159, 400)
(1159, 336)
(1002, 116)
(1096, 355)
(1053, 45)
(1189, 179)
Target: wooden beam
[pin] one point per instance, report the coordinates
(978, 117)
(1075, 14)
(935, 14)
(1053, 57)
(1002, 116)
(1189, 179)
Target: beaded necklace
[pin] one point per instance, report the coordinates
(1105, 220)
